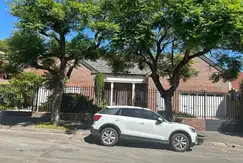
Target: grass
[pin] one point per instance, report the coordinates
(49, 125)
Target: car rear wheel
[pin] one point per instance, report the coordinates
(180, 142)
(109, 136)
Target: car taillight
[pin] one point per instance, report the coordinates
(97, 117)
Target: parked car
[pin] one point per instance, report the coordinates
(117, 122)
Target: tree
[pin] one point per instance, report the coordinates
(165, 36)
(3, 46)
(5, 67)
(52, 35)
(99, 88)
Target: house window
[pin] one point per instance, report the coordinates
(139, 96)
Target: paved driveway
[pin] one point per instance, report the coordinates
(34, 147)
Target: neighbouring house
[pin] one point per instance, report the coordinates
(195, 96)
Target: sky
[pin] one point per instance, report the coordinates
(7, 25)
(7, 21)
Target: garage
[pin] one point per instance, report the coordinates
(203, 105)
(208, 105)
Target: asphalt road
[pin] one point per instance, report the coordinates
(34, 147)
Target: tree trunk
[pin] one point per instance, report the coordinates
(168, 107)
(59, 89)
(56, 104)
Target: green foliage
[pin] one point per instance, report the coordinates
(232, 126)
(41, 39)
(5, 66)
(153, 32)
(25, 48)
(12, 97)
(231, 67)
(73, 103)
(76, 103)
(26, 79)
(165, 36)
(177, 114)
(99, 87)
(3, 47)
(21, 91)
(165, 68)
(49, 125)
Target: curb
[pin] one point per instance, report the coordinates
(44, 130)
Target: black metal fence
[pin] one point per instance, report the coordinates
(200, 103)
(197, 103)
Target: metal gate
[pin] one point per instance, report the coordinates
(203, 105)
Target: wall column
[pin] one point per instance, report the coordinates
(111, 95)
(133, 94)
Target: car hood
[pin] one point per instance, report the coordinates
(180, 125)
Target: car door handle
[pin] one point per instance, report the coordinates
(142, 123)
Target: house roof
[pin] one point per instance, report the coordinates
(210, 62)
(236, 83)
(103, 67)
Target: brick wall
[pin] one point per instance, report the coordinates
(197, 123)
(202, 81)
(81, 76)
(199, 83)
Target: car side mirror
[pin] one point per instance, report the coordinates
(160, 120)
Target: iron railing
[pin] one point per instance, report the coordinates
(197, 103)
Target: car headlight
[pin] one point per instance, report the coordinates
(193, 130)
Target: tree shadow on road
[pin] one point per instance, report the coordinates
(132, 143)
(24, 119)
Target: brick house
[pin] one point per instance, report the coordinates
(137, 88)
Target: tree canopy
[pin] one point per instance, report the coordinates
(54, 36)
(165, 36)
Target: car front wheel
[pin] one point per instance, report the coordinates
(109, 137)
(180, 142)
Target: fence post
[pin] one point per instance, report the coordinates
(193, 104)
(36, 105)
(205, 104)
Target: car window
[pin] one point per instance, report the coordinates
(128, 112)
(110, 111)
(146, 114)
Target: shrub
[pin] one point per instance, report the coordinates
(234, 126)
(73, 103)
(177, 115)
(76, 103)
(99, 88)
(21, 91)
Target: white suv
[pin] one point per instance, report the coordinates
(117, 122)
